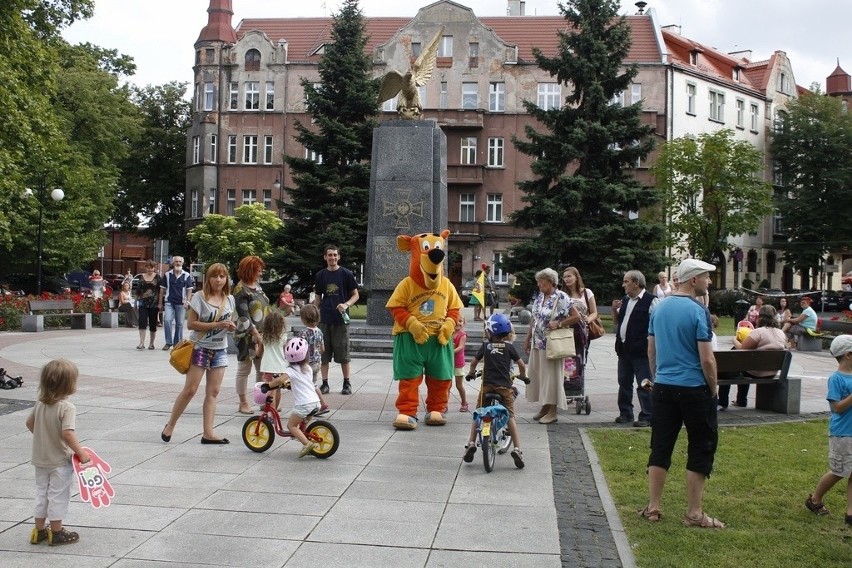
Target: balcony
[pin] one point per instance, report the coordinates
(457, 118)
(465, 174)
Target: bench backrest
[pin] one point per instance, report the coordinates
(43, 305)
(735, 361)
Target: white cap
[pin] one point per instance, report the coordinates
(692, 267)
(841, 345)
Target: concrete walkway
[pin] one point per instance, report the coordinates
(386, 498)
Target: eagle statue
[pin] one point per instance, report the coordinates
(394, 83)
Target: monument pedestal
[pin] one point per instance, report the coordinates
(408, 196)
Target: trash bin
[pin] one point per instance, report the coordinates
(740, 310)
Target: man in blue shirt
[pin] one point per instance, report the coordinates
(684, 392)
(175, 294)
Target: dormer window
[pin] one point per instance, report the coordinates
(736, 74)
(252, 60)
(693, 57)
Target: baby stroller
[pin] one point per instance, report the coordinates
(575, 385)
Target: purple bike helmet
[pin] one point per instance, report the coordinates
(296, 350)
(498, 324)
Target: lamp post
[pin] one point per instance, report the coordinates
(57, 195)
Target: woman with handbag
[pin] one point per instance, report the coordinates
(252, 306)
(548, 344)
(589, 328)
(211, 317)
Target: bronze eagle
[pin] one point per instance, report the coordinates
(393, 83)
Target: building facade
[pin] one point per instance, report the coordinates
(248, 97)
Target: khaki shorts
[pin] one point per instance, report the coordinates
(840, 455)
(507, 394)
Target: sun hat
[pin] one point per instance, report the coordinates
(692, 267)
(841, 345)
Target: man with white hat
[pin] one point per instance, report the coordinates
(684, 392)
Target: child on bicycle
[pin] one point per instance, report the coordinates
(498, 354)
(272, 364)
(313, 335)
(305, 398)
(52, 422)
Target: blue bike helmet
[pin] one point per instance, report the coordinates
(498, 324)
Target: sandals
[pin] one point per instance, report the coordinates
(705, 522)
(652, 516)
(815, 508)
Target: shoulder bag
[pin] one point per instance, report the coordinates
(560, 341)
(596, 330)
(180, 356)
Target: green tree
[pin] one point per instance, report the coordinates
(711, 190)
(329, 200)
(225, 239)
(811, 147)
(579, 201)
(153, 176)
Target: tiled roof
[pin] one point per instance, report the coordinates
(305, 35)
(715, 63)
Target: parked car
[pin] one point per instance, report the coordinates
(114, 281)
(29, 283)
(6, 290)
(829, 301)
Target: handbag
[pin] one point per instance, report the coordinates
(560, 341)
(181, 355)
(595, 329)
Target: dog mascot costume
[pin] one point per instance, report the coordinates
(425, 308)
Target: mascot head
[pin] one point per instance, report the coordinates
(427, 251)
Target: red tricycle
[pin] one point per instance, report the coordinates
(259, 431)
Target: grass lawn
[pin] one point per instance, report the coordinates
(761, 478)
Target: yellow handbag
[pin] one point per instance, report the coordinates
(181, 355)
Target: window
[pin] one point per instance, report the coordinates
(232, 149)
(473, 60)
(549, 96)
(421, 94)
(252, 60)
(783, 83)
(211, 201)
(252, 95)
(249, 149)
(442, 103)
(389, 105)
(267, 149)
(494, 208)
(196, 149)
(198, 96)
(495, 153)
(467, 208)
(234, 96)
(717, 106)
(635, 93)
(209, 93)
(193, 207)
(736, 74)
(780, 119)
(214, 148)
(469, 95)
(313, 156)
(232, 201)
(740, 113)
(445, 49)
(755, 114)
(416, 47)
(267, 199)
(690, 99)
(693, 58)
(209, 55)
(249, 196)
(497, 97)
(270, 95)
(500, 277)
(468, 150)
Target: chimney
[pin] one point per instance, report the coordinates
(673, 28)
(218, 26)
(516, 8)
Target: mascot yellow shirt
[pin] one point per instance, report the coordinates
(428, 306)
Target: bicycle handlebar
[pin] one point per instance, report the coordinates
(524, 379)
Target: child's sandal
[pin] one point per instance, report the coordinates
(815, 508)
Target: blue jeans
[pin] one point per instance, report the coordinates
(173, 313)
(628, 368)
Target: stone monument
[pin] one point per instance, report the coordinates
(408, 195)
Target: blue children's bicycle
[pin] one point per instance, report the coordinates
(492, 426)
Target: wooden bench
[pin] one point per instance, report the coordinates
(34, 321)
(779, 393)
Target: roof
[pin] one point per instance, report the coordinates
(715, 63)
(305, 35)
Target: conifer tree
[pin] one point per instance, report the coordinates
(580, 201)
(329, 197)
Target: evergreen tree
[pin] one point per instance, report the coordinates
(580, 200)
(811, 147)
(328, 203)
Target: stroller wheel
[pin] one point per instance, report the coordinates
(579, 405)
(588, 406)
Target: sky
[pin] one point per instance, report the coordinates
(159, 34)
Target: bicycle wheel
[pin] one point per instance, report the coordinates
(258, 434)
(488, 452)
(504, 441)
(325, 435)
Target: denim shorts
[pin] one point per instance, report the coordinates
(209, 358)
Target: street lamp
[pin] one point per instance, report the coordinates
(57, 195)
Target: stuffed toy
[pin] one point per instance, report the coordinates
(425, 307)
